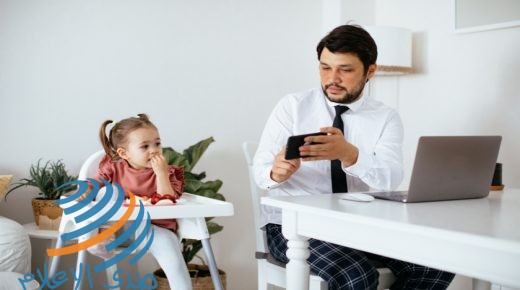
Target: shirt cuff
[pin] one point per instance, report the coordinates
(360, 168)
(267, 182)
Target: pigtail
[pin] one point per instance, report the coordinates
(105, 141)
(117, 137)
(143, 117)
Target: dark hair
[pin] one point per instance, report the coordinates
(350, 39)
(119, 133)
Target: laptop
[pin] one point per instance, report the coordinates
(449, 168)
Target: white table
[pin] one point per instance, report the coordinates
(34, 232)
(478, 238)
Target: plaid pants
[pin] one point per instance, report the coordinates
(346, 268)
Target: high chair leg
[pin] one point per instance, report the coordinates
(110, 277)
(55, 260)
(212, 264)
(80, 262)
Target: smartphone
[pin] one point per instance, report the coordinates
(294, 142)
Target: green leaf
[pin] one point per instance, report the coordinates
(47, 177)
(191, 175)
(175, 158)
(219, 196)
(194, 152)
(211, 185)
(194, 184)
(214, 227)
(17, 185)
(190, 252)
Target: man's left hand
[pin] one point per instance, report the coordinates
(331, 147)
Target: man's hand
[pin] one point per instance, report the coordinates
(332, 146)
(283, 168)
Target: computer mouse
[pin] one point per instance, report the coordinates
(358, 197)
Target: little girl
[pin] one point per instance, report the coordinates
(134, 160)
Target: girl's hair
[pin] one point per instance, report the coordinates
(117, 137)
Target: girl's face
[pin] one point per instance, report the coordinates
(142, 144)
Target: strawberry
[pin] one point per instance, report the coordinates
(169, 196)
(155, 197)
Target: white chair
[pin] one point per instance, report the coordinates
(190, 214)
(270, 271)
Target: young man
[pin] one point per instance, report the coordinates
(361, 151)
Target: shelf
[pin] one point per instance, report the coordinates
(34, 232)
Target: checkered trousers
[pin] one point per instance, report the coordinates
(346, 268)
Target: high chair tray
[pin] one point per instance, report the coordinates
(188, 206)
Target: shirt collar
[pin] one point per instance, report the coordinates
(355, 106)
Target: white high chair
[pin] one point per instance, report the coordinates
(270, 271)
(190, 212)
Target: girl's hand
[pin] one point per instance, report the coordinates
(160, 168)
(84, 195)
(159, 165)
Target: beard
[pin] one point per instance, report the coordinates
(349, 96)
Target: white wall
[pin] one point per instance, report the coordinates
(198, 68)
(463, 83)
(216, 68)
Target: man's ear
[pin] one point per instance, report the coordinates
(121, 152)
(371, 71)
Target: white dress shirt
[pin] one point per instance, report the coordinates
(374, 128)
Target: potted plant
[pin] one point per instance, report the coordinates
(195, 184)
(47, 177)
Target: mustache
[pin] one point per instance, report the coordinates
(335, 85)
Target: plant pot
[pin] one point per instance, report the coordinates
(47, 215)
(200, 278)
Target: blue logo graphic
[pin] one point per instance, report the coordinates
(115, 203)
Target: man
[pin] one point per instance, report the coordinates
(361, 151)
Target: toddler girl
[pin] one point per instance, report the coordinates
(134, 160)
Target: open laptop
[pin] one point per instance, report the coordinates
(448, 168)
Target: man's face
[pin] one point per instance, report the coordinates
(342, 76)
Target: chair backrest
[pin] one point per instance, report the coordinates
(91, 165)
(249, 149)
(90, 168)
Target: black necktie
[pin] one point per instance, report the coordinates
(338, 176)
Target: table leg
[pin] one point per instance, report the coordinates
(212, 264)
(297, 270)
(481, 285)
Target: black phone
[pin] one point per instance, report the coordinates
(294, 142)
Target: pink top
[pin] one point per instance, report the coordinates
(140, 182)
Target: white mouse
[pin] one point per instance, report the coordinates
(357, 197)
